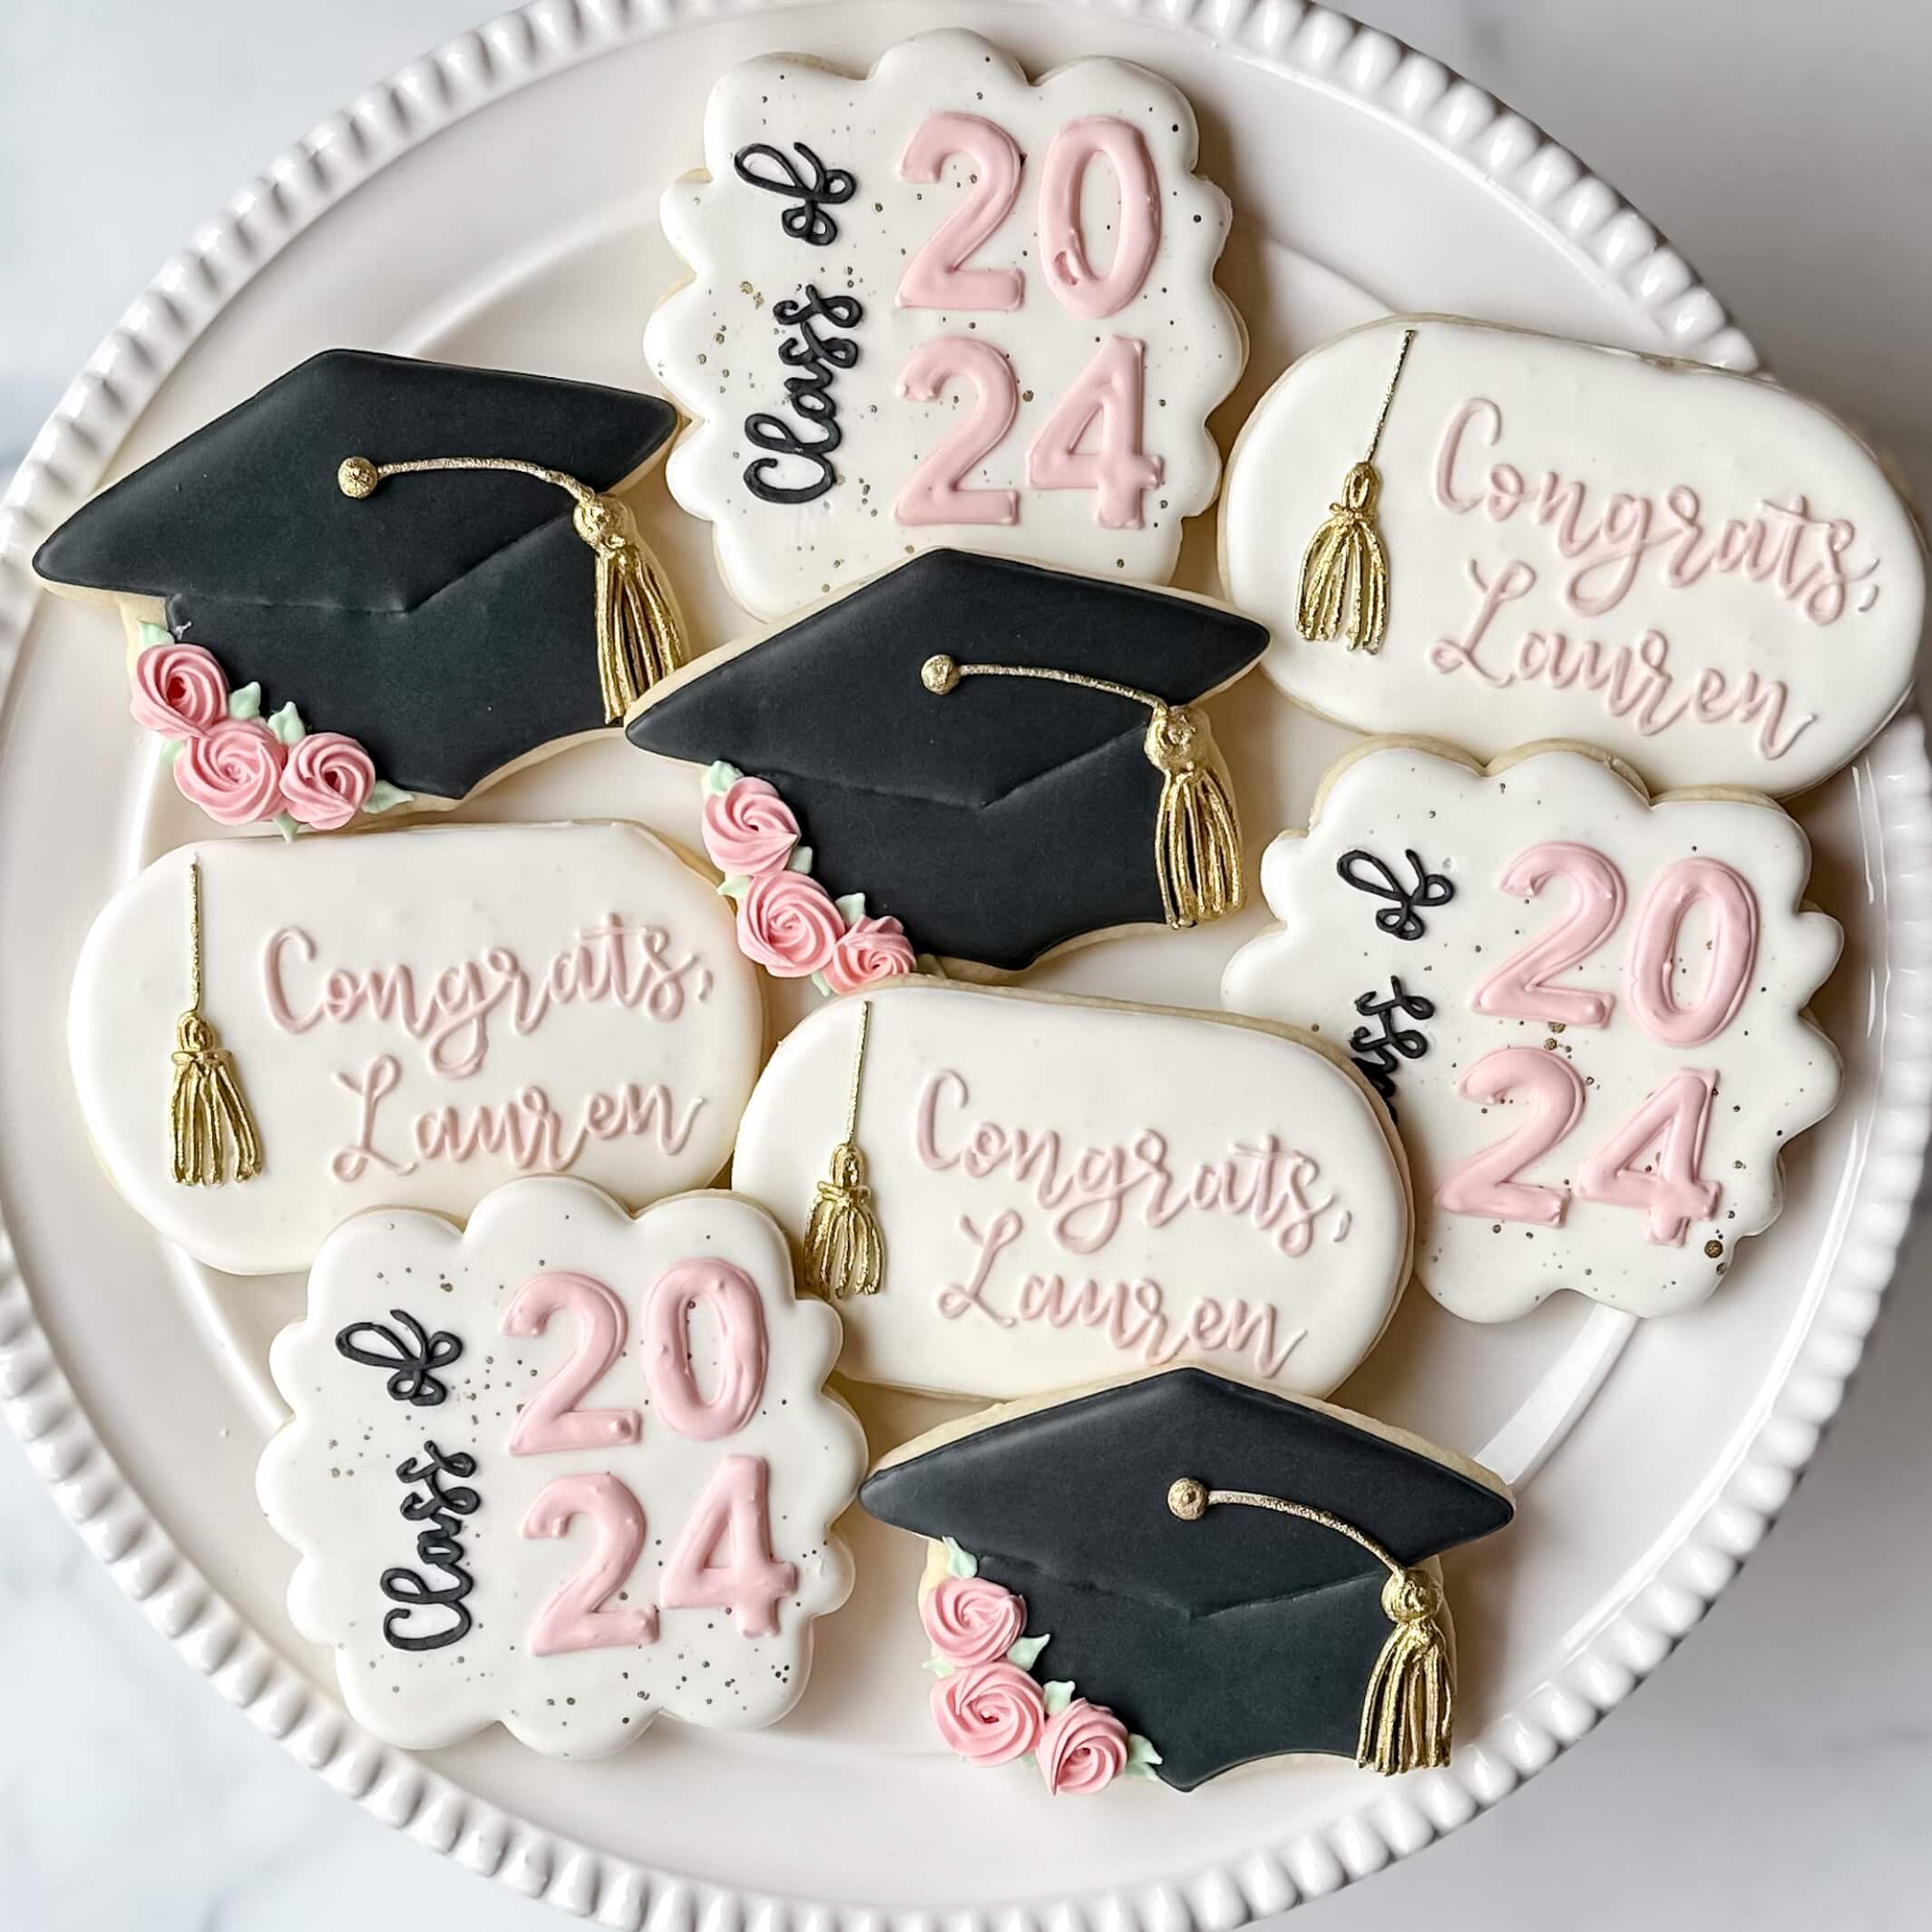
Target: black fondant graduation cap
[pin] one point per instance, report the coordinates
(1143, 1523)
(1001, 756)
(452, 623)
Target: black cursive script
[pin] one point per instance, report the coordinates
(439, 1549)
(1377, 1055)
(809, 396)
(411, 1360)
(1400, 919)
(808, 221)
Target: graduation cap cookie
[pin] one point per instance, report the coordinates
(1002, 757)
(1179, 1572)
(422, 570)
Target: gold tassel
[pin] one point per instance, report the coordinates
(211, 1127)
(1409, 1711)
(1344, 583)
(1196, 829)
(844, 1252)
(639, 630)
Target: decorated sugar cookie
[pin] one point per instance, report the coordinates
(561, 1471)
(1587, 1010)
(1012, 1193)
(380, 582)
(1174, 1572)
(1000, 759)
(1494, 537)
(266, 1038)
(940, 304)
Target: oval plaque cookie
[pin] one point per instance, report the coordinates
(1496, 537)
(1061, 1189)
(1587, 1009)
(267, 1038)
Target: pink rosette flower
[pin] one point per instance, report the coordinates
(1083, 1748)
(991, 1714)
(748, 829)
(326, 780)
(869, 950)
(234, 772)
(971, 1620)
(178, 691)
(788, 924)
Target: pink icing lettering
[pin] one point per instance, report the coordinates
(380, 1078)
(1069, 273)
(749, 1582)
(1486, 1182)
(732, 1298)
(1519, 987)
(934, 493)
(1108, 392)
(1672, 1191)
(937, 276)
(1450, 447)
(550, 1420)
(580, 1616)
(274, 996)
(530, 1131)
(925, 1119)
(1651, 966)
(956, 1297)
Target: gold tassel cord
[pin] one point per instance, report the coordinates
(1408, 1712)
(844, 1252)
(639, 630)
(1196, 829)
(1344, 582)
(213, 1134)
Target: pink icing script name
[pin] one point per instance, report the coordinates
(526, 1129)
(1088, 1194)
(450, 1010)
(1803, 558)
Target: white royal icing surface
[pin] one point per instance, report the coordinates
(1771, 1071)
(715, 343)
(1540, 499)
(328, 1480)
(1283, 1242)
(638, 1089)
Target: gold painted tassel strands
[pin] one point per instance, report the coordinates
(213, 1131)
(1408, 1713)
(1344, 586)
(639, 631)
(1196, 832)
(844, 1252)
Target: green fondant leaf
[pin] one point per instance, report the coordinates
(734, 888)
(851, 908)
(939, 1666)
(1026, 1652)
(172, 749)
(721, 778)
(800, 860)
(958, 1563)
(823, 984)
(288, 726)
(246, 702)
(285, 824)
(152, 634)
(384, 797)
(1141, 1756)
(1056, 1695)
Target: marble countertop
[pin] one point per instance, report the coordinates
(1774, 1772)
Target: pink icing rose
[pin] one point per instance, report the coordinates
(869, 950)
(748, 829)
(327, 778)
(971, 1620)
(178, 691)
(991, 1714)
(1083, 1747)
(234, 772)
(788, 924)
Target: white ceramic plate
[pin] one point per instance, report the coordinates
(523, 234)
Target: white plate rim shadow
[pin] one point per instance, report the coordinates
(1605, 239)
